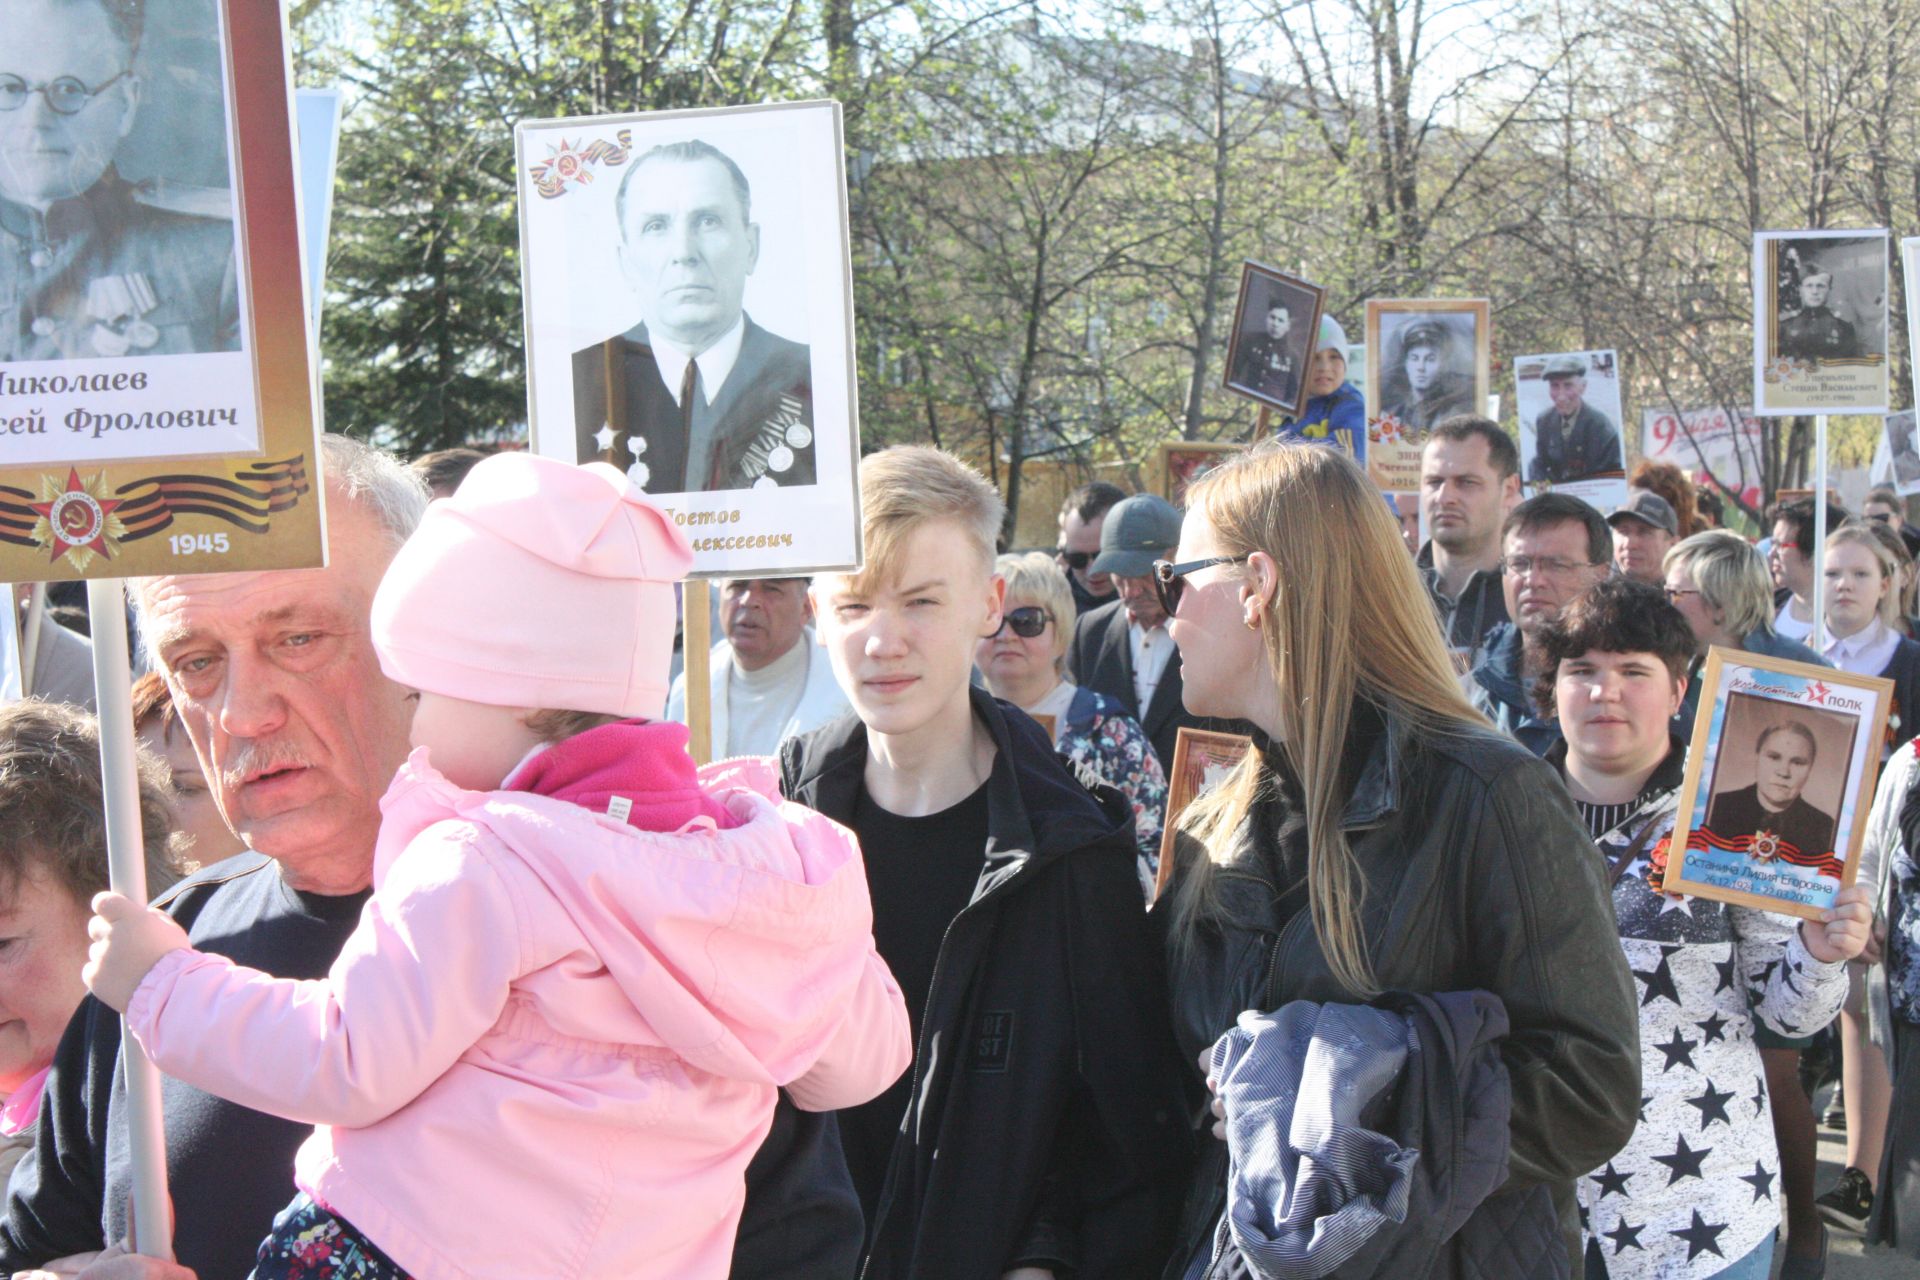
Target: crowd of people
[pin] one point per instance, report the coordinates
(460, 965)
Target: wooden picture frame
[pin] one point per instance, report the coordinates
(1196, 752)
(1810, 739)
(1272, 371)
(1184, 461)
(1399, 414)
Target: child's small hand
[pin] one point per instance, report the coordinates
(128, 940)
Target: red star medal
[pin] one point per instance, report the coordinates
(77, 521)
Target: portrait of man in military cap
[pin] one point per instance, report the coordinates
(696, 397)
(93, 265)
(1428, 375)
(1274, 325)
(1572, 438)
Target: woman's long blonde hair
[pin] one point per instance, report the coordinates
(1350, 619)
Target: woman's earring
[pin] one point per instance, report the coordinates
(1253, 621)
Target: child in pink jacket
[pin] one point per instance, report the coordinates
(552, 1044)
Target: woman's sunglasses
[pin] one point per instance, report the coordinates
(1075, 560)
(1027, 621)
(1170, 580)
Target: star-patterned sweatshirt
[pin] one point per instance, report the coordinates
(1697, 1188)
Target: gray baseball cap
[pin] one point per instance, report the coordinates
(1645, 504)
(1138, 531)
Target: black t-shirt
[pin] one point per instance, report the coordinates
(229, 1168)
(920, 873)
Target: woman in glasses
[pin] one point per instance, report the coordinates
(1697, 1191)
(1720, 584)
(1382, 838)
(1025, 663)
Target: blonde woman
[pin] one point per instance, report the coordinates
(1025, 663)
(1862, 612)
(1382, 838)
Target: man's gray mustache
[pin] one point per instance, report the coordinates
(251, 759)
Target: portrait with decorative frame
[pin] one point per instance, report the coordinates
(157, 385)
(1184, 461)
(1820, 337)
(689, 319)
(1275, 323)
(1427, 359)
(1779, 779)
(1202, 759)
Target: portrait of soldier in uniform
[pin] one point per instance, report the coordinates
(1813, 331)
(1767, 816)
(1268, 362)
(91, 265)
(1572, 439)
(1426, 377)
(696, 397)
(1274, 325)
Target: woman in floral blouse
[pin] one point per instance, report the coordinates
(1696, 1192)
(1025, 663)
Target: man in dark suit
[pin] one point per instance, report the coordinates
(1123, 649)
(696, 397)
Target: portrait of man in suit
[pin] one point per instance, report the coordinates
(696, 397)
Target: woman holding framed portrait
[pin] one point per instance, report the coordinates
(1680, 1200)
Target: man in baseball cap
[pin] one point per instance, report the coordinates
(1123, 649)
(1643, 528)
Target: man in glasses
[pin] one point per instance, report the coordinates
(1123, 649)
(1790, 560)
(1082, 516)
(769, 677)
(92, 266)
(1554, 547)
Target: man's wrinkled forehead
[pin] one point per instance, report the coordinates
(176, 608)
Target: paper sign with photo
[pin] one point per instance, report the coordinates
(1779, 778)
(1428, 359)
(1897, 444)
(1271, 344)
(1569, 406)
(1820, 322)
(689, 317)
(154, 366)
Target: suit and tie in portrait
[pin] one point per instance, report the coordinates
(696, 397)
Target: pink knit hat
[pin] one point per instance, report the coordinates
(537, 584)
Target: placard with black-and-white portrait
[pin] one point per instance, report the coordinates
(1275, 324)
(156, 383)
(1427, 360)
(1779, 778)
(689, 315)
(1900, 451)
(1820, 322)
(130, 325)
(1570, 441)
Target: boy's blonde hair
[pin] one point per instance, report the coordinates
(907, 486)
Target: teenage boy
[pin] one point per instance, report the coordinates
(1038, 1133)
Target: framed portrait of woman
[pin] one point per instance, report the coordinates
(1429, 359)
(1779, 778)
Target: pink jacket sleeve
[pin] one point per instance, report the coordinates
(424, 975)
(872, 1047)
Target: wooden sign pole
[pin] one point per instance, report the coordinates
(696, 614)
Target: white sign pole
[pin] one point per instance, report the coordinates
(1817, 639)
(152, 1211)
